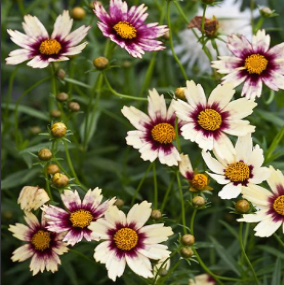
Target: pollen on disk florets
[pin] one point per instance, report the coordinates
(163, 133)
(41, 240)
(125, 239)
(209, 119)
(81, 218)
(255, 63)
(50, 47)
(125, 30)
(278, 205)
(237, 171)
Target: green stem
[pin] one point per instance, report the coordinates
(181, 12)
(244, 253)
(155, 186)
(140, 185)
(167, 194)
(171, 42)
(203, 26)
(274, 144)
(47, 183)
(177, 135)
(170, 272)
(72, 167)
(121, 95)
(279, 240)
(181, 202)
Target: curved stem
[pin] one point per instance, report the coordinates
(279, 240)
(171, 42)
(140, 185)
(155, 186)
(244, 253)
(182, 203)
(167, 194)
(47, 183)
(121, 95)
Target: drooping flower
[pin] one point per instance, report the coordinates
(36, 44)
(79, 215)
(43, 246)
(31, 198)
(198, 181)
(207, 122)
(202, 279)
(230, 18)
(155, 132)
(253, 63)
(238, 167)
(128, 241)
(270, 214)
(126, 27)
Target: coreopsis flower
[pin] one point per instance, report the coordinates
(79, 215)
(253, 63)
(128, 241)
(238, 167)
(126, 27)
(31, 198)
(230, 18)
(42, 49)
(202, 279)
(155, 132)
(207, 122)
(270, 213)
(44, 247)
(198, 181)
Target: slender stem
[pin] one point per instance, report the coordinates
(279, 240)
(181, 202)
(121, 95)
(167, 194)
(72, 167)
(177, 134)
(155, 186)
(181, 12)
(192, 221)
(140, 184)
(47, 183)
(203, 26)
(171, 42)
(170, 272)
(244, 253)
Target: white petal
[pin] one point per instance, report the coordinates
(157, 105)
(139, 214)
(212, 163)
(259, 175)
(185, 166)
(226, 64)
(136, 139)
(244, 148)
(252, 89)
(260, 41)
(156, 233)
(20, 231)
(205, 142)
(170, 158)
(18, 56)
(183, 110)
(71, 200)
(22, 253)
(77, 35)
(31, 220)
(93, 198)
(221, 179)
(137, 118)
(155, 251)
(222, 95)
(62, 26)
(275, 81)
(115, 266)
(21, 39)
(256, 217)
(224, 149)
(267, 227)
(100, 229)
(239, 128)
(102, 252)
(115, 216)
(188, 131)
(141, 265)
(51, 262)
(275, 179)
(256, 194)
(257, 158)
(34, 28)
(195, 94)
(148, 153)
(37, 264)
(230, 191)
(75, 50)
(37, 62)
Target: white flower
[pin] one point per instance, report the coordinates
(253, 63)
(36, 44)
(43, 247)
(237, 167)
(270, 214)
(129, 241)
(231, 20)
(31, 198)
(155, 132)
(207, 122)
(202, 279)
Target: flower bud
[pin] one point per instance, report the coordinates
(61, 73)
(52, 169)
(199, 181)
(44, 154)
(156, 215)
(119, 203)
(126, 64)
(74, 107)
(242, 206)
(78, 13)
(31, 198)
(35, 130)
(92, 5)
(58, 130)
(163, 272)
(55, 113)
(7, 214)
(266, 12)
(179, 92)
(167, 35)
(188, 239)
(198, 201)
(62, 97)
(186, 252)
(100, 63)
(60, 180)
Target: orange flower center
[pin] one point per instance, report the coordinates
(199, 181)
(209, 120)
(125, 239)
(125, 30)
(256, 63)
(81, 218)
(50, 47)
(237, 172)
(41, 240)
(163, 133)
(278, 205)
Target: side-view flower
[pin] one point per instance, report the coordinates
(253, 63)
(238, 167)
(270, 213)
(155, 132)
(43, 246)
(75, 221)
(126, 27)
(42, 49)
(207, 122)
(128, 241)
